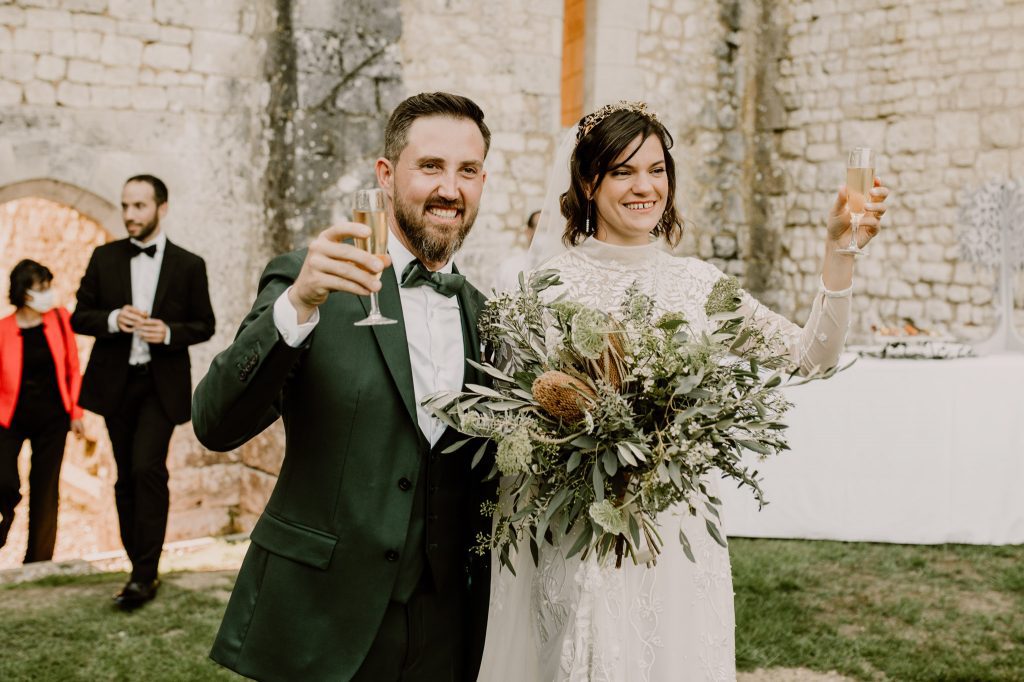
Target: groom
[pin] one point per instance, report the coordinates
(359, 568)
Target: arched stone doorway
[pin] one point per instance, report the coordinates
(59, 225)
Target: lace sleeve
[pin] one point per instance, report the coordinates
(816, 345)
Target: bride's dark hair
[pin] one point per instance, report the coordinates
(591, 161)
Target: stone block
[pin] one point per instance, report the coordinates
(981, 295)
(171, 57)
(167, 78)
(226, 54)
(133, 10)
(87, 44)
(50, 68)
(256, 489)
(93, 6)
(965, 273)
(910, 135)
(81, 71)
(10, 93)
(175, 36)
(184, 98)
(47, 19)
(899, 288)
(186, 488)
(1001, 129)
(198, 522)
(223, 483)
(149, 98)
(92, 22)
(64, 43)
(958, 294)
(40, 93)
(11, 16)
(73, 94)
(223, 15)
(118, 51)
(110, 97)
(912, 310)
(938, 311)
(120, 75)
(146, 31)
(937, 272)
(17, 67)
(32, 40)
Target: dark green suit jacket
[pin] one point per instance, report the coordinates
(323, 562)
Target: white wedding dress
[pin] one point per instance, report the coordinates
(568, 620)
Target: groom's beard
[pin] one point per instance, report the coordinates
(433, 243)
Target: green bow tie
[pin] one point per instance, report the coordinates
(417, 275)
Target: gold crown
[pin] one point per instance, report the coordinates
(588, 122)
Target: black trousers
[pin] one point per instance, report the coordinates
(140, 432)
(422, 640)
(47, 442)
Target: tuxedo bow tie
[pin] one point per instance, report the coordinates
(446, 284)
(148, 250)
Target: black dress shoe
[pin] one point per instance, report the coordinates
(136, 593)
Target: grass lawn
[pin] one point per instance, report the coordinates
(873, 611)
(868, 611)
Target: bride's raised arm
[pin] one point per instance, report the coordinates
(817, 345)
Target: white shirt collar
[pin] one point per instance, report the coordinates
(160, 240)
(401, 257)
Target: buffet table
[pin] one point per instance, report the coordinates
(907, 451)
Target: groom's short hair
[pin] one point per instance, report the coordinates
(396, 134)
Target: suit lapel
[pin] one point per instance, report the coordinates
(392, 339)
(163, 281)
(124, 267)
(469, 311)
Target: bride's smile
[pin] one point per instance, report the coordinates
(630, 198)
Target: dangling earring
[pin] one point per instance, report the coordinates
(586, 227)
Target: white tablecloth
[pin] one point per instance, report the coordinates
(909, 451)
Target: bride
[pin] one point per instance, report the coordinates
(574, 620)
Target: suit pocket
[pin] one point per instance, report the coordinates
(293, 541)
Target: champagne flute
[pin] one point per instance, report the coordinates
(860, 178)
(368, 209)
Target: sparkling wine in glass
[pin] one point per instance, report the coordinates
(860, 178)
(369, 209)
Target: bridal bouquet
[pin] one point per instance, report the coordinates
(604, 421)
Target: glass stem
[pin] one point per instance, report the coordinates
(854, 229)
(374, 308)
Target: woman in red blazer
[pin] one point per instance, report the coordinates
(39, 385)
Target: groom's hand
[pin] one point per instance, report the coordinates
(332, 265)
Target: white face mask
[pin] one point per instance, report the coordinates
(41, 301)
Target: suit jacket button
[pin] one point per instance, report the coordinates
(404, 484)
(391, 555)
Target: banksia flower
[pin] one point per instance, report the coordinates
(610, 363)
(563, 396)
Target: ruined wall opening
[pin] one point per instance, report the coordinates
(45, 220)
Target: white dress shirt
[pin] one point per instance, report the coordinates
(145, 271)
(433, 328)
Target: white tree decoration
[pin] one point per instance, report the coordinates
(991, 234)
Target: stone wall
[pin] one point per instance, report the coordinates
(93, 91)
(936, 88)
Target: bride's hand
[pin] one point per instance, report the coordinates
(839, 217)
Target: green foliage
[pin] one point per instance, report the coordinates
(663, 408)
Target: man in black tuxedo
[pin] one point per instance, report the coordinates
(146, 300)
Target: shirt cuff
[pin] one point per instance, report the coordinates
(845, 293)
(112, 321)
(167, 337)
(286, 319)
